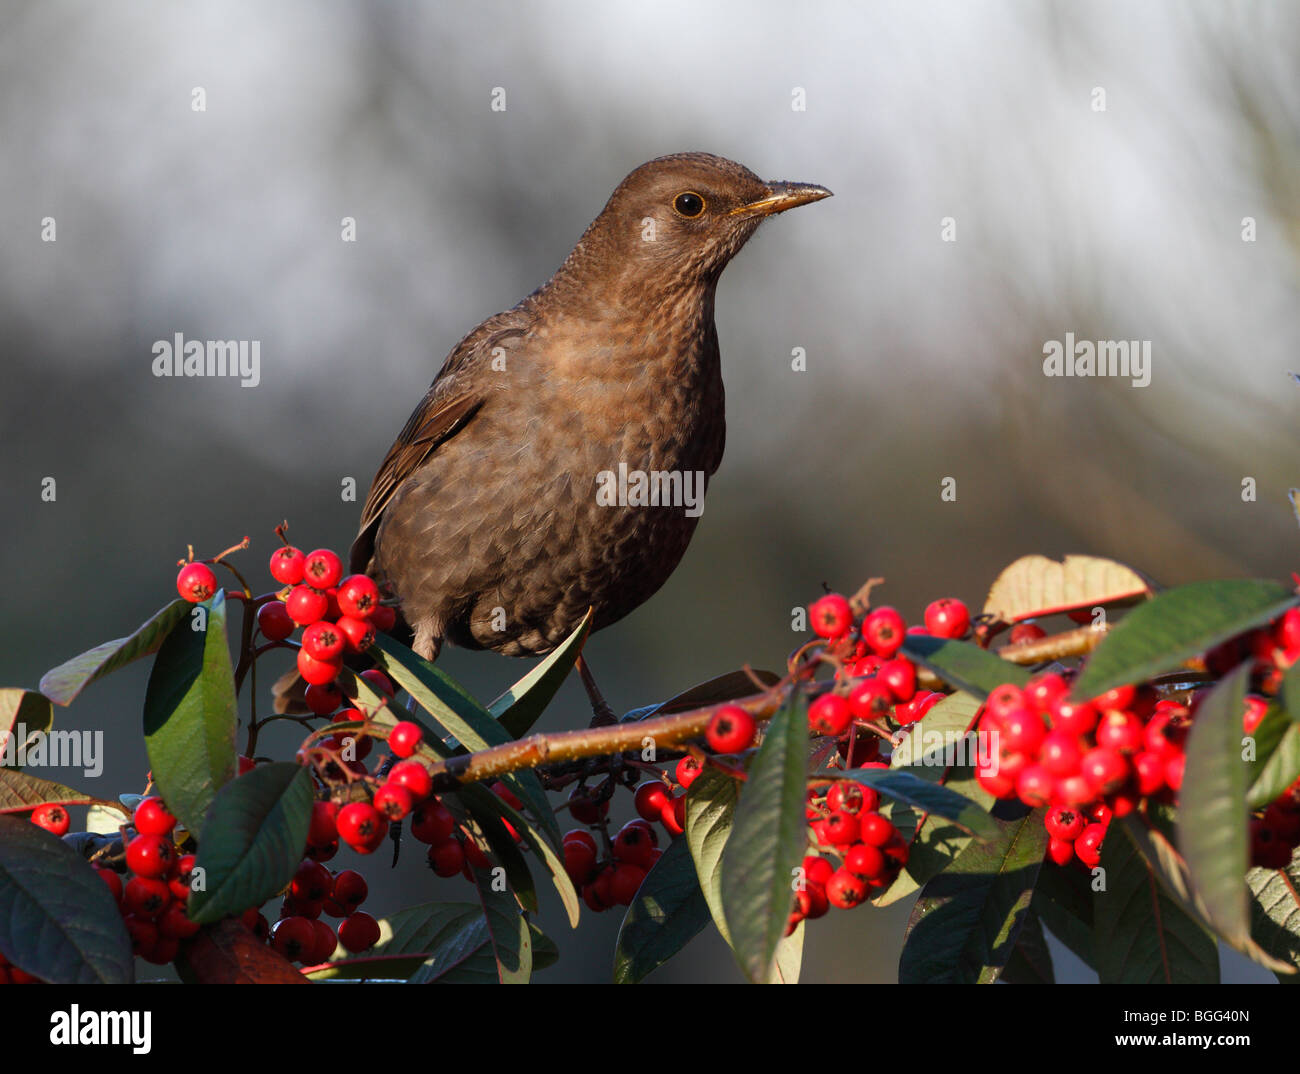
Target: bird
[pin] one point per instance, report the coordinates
(494, 520)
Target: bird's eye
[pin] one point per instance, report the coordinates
(689, 204)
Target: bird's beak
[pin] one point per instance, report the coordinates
(782, 196)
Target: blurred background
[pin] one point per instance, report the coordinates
(924, 356)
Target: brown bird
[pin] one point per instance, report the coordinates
(491, 519)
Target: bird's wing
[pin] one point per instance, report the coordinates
(453, 399)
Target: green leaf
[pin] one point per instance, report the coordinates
(512, 943)
(726, 687)
(935, 842)
(501, 843)
(1141, 933)
(483, 802)
(253, 838)
(545, 951)
(63, 683)
(710, 811)
(1175, 626)
(923, 795)
(767, 844)
(191, 715)
(1031, 961)
(57, 918)
(24, 710)
(1063, 901)
(519, 707)
(1275, 914)
(464, 718)
(20, 792)
(461, 954)
(1212, 833)
(963, 665)
(1277, 761)
(668, 912)
(965, 925)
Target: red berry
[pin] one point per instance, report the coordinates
(1034, 785)
(323, 948)
(673, 818)
(404, 738)
(151, 817)
(475, 857)
(884, 630)
(830, 715)
(53, 818)
(624, 883)
(1174, 771)
(865, 860)
(1064, 823)
(360, 825)
(1003, 700)
(293, 937)
(432, 822)
(947, 618)
(1026, 631)
(1256, 709)
(306, 605)
(1117, 697)
(1120, 731)
(1060, 851)
(731, 729)
(311, 882)
(317, 672)
(286, 565)
(350, 889)
(1060, 753)
(181, 880)
(146, 897)
(1043, 691)
(414, 777)
(323, 640)
(579, 861)
(847, 796)
(1021, 731)
(325, 698)
(379, 682)
(875, 830)
(196, 582)
(358, 596)
(997, 783)
(830, 616)
(383, 618)
(1104, 769)
(687, 772)
(150, 855)
(844, 890)
(899, 675)
(635, 843)
(447, 858)
(871, 699)
(1088, 846)
(1075, 790)
(273, 621)
(841, 829)
(1150, 770)
(1286, 632)
(1074, 717)
(175, 924)
(322, 568)
(812, 902)
(359, 634)
(650, 799)
(393, 802)
(323, 829)
(112, 880)
(922, 702)
(817, 870)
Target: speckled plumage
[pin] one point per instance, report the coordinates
(484, 514)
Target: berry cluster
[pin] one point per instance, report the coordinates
(1089, 761)
(301, 936)
(153, 892)
(844, 822)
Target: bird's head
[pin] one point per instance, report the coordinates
(676, 221)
